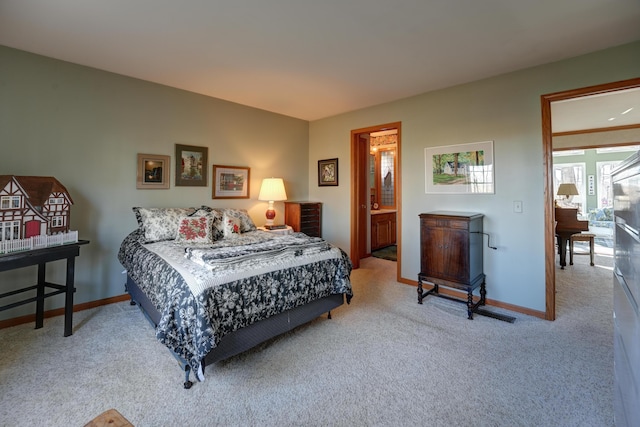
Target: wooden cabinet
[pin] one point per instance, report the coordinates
(451, 254)
(383, 230)
(304, 216)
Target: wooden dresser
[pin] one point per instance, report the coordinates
(451, 255)
(304, 216)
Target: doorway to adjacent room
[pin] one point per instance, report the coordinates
(547, 148)
(369, 192)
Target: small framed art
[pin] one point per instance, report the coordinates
(328, 172)
(230, 182)
(153, 172)
(191, 166)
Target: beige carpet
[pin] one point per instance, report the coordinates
(382, 361)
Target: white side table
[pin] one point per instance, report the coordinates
(287, 230)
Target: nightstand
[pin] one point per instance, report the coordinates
(287, 230)
(305, 217)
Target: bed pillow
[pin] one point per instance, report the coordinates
(231, 225)
(217, 225)
(157, 224)
(194, 229)
(246, 223)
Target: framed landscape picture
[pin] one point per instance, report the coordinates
(191, 166)
(153, 172)
(460, 169)
(328, 172)
(230, 182)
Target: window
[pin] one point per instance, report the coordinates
(57, 221)
(9, 230)
(10, 202)
(571, 173)
(56, 200)
(604, 186)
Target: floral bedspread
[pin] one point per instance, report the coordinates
(204, 292)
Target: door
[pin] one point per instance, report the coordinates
(32, 228)
(360, 197)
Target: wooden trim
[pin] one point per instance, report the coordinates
(31, 318)
(398, 186)
(355, 247)
(549, 225)
(547, 153)
(592, 147)
(593, 90)
(596, 130)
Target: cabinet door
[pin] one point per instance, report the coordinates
(445, 253)
(455, 250)
(383, 230)
(432, 263)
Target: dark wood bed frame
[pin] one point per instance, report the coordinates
(247, 337)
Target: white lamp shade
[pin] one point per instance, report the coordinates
(272, 189)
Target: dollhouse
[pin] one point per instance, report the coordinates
(32, 206)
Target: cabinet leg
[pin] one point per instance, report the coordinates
(419, 290)
(470, 305)
(483, 293)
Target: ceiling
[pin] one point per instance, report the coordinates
(312, 59)
(620, 108)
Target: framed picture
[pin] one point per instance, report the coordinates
(327, 172)
(230, 182)
(460, 169)
(191, 166)
(153, 171)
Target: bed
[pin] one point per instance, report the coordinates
(213, 285)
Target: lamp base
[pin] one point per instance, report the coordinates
(270, 214)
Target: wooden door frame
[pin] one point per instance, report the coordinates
(359, 172)
(547, 153)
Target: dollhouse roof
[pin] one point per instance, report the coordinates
(38, 188)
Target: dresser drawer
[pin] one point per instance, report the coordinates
(305, 217)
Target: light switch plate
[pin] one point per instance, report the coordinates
(517, 206)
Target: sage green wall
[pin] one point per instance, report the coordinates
(86, 126)
(505, 109)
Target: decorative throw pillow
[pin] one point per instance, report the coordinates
(215, 218)
(194, 229)
(217, 224)
(159, 224)
(246, 223)
(231, 226)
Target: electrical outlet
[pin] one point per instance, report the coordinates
(517, 206)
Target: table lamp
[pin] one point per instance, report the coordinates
(567, 190)
(272, 190)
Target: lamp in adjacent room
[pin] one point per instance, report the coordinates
(272, 190)
(567, 190)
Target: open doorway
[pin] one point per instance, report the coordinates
(368, 190)
(549, 195)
